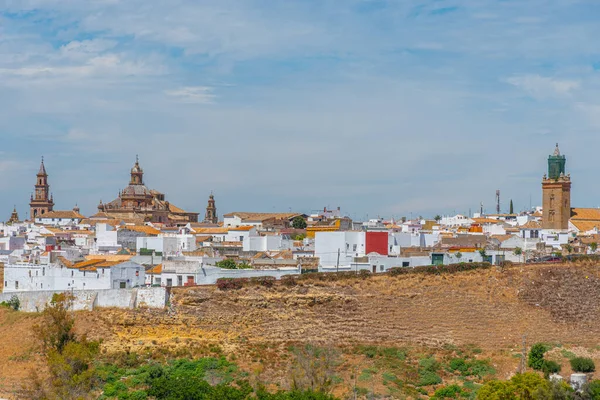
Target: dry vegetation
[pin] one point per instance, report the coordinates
(479, 314)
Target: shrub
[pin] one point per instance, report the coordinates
(266, 281)
(583, 364)
(231, 283)
(228, 263)
(428, 378)
(536, 356)
(13, 303)
(520, 386)
(448, 392)
(550, 367)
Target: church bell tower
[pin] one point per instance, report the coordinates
(211, 211)
(556, 193)
(42, 201)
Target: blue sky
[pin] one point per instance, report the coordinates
(381, 107)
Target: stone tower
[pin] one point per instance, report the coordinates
(556, 193)
(41, 201)
(14, 217)
(137, 173)
(211, 211)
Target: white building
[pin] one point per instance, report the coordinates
(87, 275)
(106, 239)
(456, 221)
(267, 243)
(60, 218)
(167, 245)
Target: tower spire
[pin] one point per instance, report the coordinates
(42, 201)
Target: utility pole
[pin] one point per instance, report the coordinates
(523, 363)
(337, 264)
(355, 373)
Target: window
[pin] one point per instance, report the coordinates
(179, 280)
(43, 271)
(169, 282)
(84, 273)
(29, 273)
(41, 285)
(354, 247)
(157, 281)
(16, 284)
(72, 273)
(37, 273)
(381, 267)
(122, 285)
(406, 263)
(241, 238)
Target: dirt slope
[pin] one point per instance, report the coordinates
(490, 309)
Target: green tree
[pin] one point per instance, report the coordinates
(483, 253)
(437, 218)
(299, 223)
(518, 251)
(569, 248)
(227, 263)
(550, 367)
(593, 247)
(535, 358)
(512, 209)
(69, 358)
(458, 255)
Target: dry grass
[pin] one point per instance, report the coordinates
(490, 309)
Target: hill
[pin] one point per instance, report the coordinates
(481, 314)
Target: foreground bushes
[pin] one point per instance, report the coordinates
(440, 269)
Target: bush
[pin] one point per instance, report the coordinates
(448, 392)
(550, 367)
(13, 303)
(266, 281)
(395, 271)
(231, 283)
(583, 365)
(428, 378)
(536, 356)
(228, 263)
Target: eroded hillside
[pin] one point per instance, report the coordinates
(489, 310)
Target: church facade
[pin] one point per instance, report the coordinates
(137, 202)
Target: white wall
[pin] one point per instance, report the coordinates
(23, 277)
(350, 244)
(106, 237)
(167, 245)
(57, 221)
(89, 299)
(266, 243)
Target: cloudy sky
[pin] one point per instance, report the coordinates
(382, 107)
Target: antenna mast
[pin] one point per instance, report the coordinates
(497, 201)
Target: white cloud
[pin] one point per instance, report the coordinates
(544, 87)
(193, 94)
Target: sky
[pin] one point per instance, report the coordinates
(383, 108)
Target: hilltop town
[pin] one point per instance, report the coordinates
(142, 240)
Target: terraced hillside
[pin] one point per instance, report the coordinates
(432, 315)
